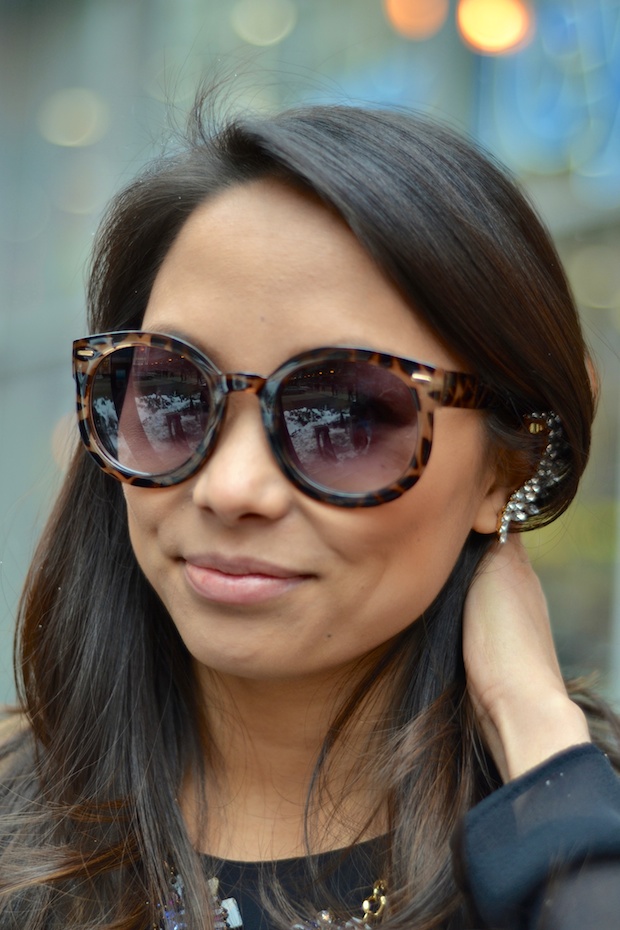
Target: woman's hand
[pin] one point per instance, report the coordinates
(513, 675)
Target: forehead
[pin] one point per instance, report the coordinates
(263, 271)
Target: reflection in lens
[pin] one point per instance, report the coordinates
(151, 408)
(352, 426)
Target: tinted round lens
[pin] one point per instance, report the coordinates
(151, 408)
(352, 426)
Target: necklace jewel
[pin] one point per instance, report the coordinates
(227, 915)
(373, 908)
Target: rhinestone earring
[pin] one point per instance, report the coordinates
(525, 500)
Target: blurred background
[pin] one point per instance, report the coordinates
(92, 89)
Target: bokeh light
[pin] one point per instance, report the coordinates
(417, 19)
(263, 22)
(495, 26)
(74, 116)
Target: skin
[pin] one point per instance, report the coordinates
(256, 275)
(513, 674)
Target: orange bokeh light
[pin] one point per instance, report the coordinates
(417, 19)
(495, 26)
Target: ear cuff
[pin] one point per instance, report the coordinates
(525, 501)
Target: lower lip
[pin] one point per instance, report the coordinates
(238, 589)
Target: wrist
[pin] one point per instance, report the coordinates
(530, 732)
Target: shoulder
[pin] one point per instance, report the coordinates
(14, 734)
(18, 782)
(13, 723)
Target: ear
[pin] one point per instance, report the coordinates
(491, 506)
(505, 474)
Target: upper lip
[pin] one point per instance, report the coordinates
(242, 565)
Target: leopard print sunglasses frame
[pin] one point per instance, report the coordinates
(430, 388)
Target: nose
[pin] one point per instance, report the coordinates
(241, 477)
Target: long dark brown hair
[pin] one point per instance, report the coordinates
(110, 718)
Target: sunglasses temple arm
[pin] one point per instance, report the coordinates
(464, 390)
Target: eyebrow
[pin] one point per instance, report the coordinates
(177, 333)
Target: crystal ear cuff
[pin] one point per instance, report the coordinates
(525, 500)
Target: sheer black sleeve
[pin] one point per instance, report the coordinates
(543, 852)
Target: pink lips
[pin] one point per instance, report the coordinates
(239, 581)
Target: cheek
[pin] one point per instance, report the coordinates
(146, 513)
(400, 555)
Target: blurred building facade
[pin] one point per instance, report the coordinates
(92, 89)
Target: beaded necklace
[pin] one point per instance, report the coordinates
(227, 916)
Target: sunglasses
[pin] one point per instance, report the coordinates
(347, 426)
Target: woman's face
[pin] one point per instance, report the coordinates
(260, 580)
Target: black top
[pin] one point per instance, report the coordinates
(541, 853)
(348, 878)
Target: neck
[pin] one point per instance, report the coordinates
(268, 737)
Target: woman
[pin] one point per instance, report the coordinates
(275, 666)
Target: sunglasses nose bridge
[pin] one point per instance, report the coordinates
(245, 383)
(241, 383)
